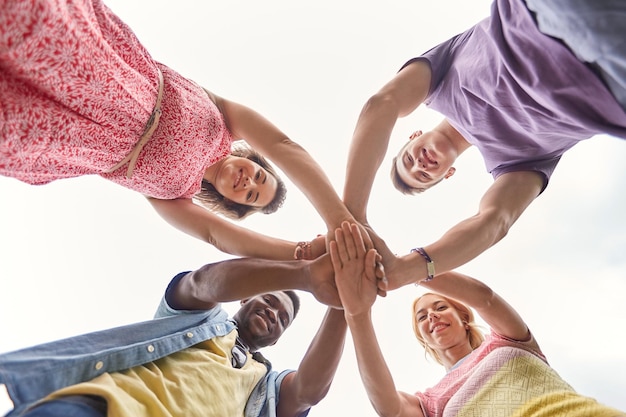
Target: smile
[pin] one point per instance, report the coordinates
(238, 178)
(265, 319)
(438, 326)
(427, 156)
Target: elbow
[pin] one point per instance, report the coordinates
(486, 299)
(386, 411)
(382, 102)
(313, 397)
(499, 225)
(200, 287)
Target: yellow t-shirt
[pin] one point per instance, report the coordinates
(198, 381)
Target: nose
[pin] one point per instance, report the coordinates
(271, 314)
(433, 315)
(248, 182)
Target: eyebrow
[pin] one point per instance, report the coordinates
(405, 163)
(421, 310)
(262, 182)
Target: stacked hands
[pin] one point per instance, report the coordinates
(352, 274)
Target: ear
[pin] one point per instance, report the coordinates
(415, 134)
(450, 173)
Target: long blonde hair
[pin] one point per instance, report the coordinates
(474, 334)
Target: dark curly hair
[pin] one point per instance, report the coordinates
(211, 199)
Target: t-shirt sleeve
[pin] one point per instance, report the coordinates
(544, 167)
(165, 309)
(439, 58)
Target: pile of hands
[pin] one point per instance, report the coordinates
(351, 275)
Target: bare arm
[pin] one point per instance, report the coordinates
(307, 386)
(354, 274)
(499, 209)
(496, 312)
(224, 235)
(238, 279)
(370, 140)
(290, 157)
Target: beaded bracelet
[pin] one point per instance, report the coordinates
(430, 265)
(302, 251)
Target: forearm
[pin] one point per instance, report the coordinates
(463, 288)
(238, 279)
(313, 379)
(309, 177)
(228, 237)
(240, 241)
(290, 157)
(367, 151)
(373, 369)
(500, 207)
(497, 313)
(457, 246)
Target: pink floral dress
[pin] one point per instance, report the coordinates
(77, 89)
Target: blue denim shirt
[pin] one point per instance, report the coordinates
(31, 374)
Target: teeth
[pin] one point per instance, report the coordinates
(439, 326)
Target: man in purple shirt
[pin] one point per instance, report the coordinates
(521, 96)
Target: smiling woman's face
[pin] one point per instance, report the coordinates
(245, 182)
(439, 323)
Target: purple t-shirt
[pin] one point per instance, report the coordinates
(521, 97)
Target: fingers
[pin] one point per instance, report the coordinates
(349, 242)
(335, 258)
(371, 265)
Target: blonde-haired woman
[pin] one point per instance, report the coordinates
(504, 374)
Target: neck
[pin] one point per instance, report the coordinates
(210, 174)
(454, 136)
(249, 345)
(452, 355)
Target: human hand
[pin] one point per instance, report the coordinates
(389, 275)
(322, 281)
(355, 269)
(318, 246)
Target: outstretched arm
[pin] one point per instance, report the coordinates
(307, 386)
(290, 157)
(354, 275)
(238, 279)
(496, 312)
(224, 235)
(499, 209)
(370, 140)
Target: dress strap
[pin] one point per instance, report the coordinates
(151, 126)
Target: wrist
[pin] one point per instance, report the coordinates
(430, 264)
(356, 317)
(303, 250)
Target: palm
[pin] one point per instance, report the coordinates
(354, 268)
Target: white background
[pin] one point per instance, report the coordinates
(84, 254)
